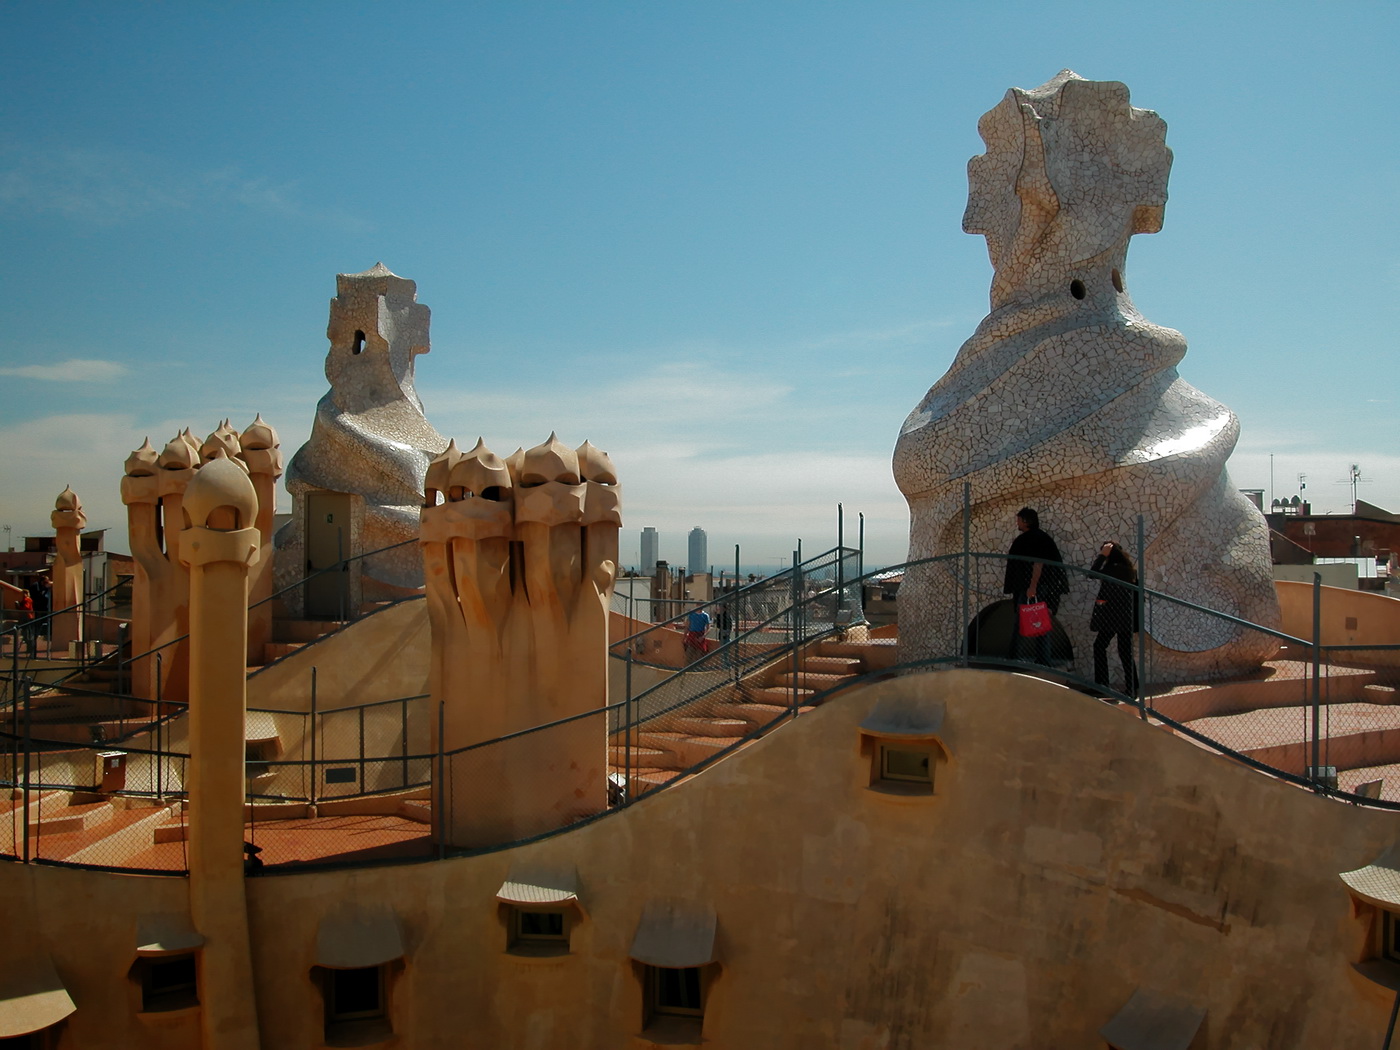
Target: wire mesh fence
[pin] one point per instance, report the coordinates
(688, 630)
(363, 784)
(83, 807)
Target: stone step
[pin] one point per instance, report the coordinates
(831, 665)
(1280, 683)
(717, 727)
(875, 654)
(683, 750)
(759, 716)
(817, 683)
(777, 696)
(643, 780)
(647, 756)
(1355, 735)
(1388, 774)
(302, 630)
(71, 817)
(276, 650)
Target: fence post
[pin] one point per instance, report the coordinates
(967, 571)
(1141, 613)
(840, 562)
(403, 726)
(160, 733)
(362, 748)
(1316, 677)
(860, 559)
(28, 748)
(627, 731)
(311, 788)
(795, 622)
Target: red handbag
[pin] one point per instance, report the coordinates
(1035, 620)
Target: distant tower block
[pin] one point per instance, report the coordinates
(357, 484)
(1067, 400)
(651, 546)
(68, 522)
(699, 552)
(521, 558)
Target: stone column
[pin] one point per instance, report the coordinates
(218, 548)
(68, 522)
(260, 451)
(153, 491)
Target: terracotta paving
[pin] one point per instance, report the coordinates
(347, 839)
(164, 856)
(1271, 727)
(62, 845)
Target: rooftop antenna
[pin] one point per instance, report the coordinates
(1353, 479)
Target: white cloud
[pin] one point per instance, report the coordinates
(74, 370)
(110, 186)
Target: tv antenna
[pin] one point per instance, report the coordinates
(1353, 479)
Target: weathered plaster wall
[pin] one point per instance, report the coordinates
(1071, 853)
(382, 657)
(1348, 618)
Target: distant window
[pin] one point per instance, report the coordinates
(1390, 936)
(356, 1003)
(168, 983)
(675, 993)
(543, 928)
(354, 995)
(907, 765)
(358, 347)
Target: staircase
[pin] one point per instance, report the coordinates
(734, 715)
(1267, 716)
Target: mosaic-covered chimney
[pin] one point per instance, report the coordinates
(1067, 399)
(357, 483)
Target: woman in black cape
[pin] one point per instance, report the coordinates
(1115, 615)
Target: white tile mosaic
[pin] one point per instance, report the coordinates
(1066, 398)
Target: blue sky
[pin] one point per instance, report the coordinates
(720, 240)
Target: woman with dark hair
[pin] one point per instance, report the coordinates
(1115, 614)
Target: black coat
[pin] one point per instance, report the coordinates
(1115, 609)
(1033, 543)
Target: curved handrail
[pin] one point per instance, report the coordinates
(778, 583)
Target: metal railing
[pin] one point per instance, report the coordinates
(1318, 716)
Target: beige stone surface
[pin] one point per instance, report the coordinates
(153, 489)
(220, 545)
(1067, 399)
(1070, 855)
(68, 522)
(520, 558)
(370, 438)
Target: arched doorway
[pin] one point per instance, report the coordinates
(991, 630)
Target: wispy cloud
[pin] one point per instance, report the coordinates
(910, 333)
(74, 370)
(108, 187)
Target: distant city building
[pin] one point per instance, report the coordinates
(651, 542)
(699, 551)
